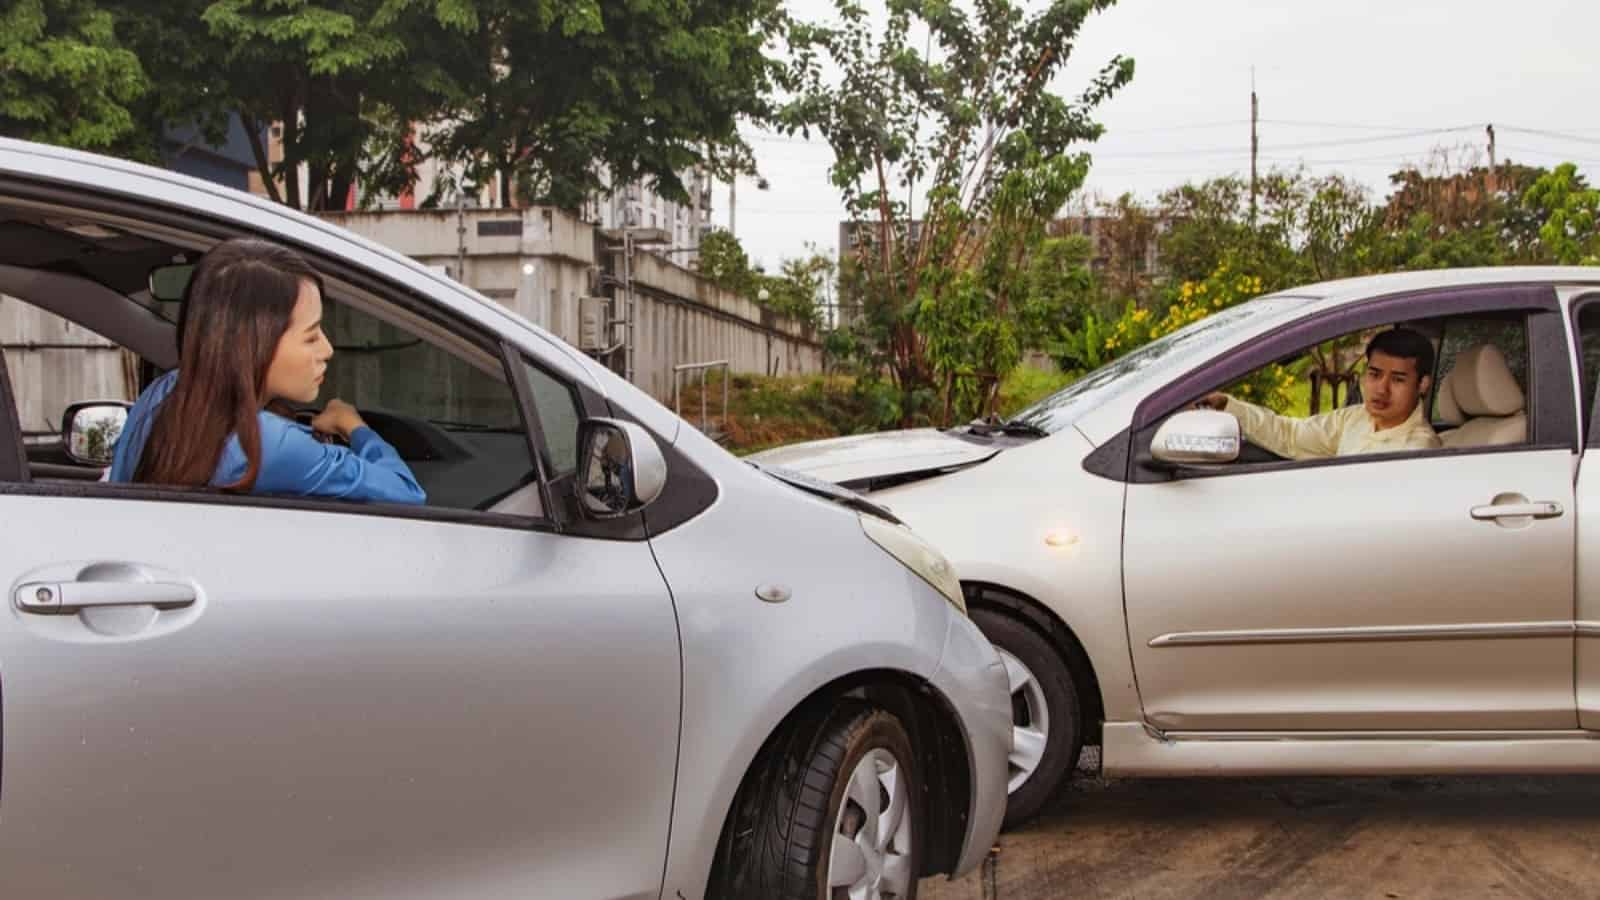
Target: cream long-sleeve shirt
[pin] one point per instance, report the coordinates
(1343, 432)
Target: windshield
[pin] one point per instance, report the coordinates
(1061, 409)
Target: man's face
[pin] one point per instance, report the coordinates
(1391, 388)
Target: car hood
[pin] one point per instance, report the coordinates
(859, 460)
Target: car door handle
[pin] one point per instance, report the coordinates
(1544, 509)
(71, 596)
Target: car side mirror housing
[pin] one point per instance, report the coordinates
(89, 431)
(1197, 436)
(620, 468)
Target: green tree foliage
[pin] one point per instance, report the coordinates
(549, 88)
(798, 291)
(1570, 233)
(66, 78)
(722, 260)
(969, 127)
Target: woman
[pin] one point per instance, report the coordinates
(250, 342)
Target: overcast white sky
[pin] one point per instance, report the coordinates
(1354, 79)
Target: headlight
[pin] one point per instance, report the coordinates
(917, 555)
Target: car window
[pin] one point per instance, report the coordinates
(1509, 335)
(1310, 406)
(557, 409)
(1126, 373)
(453, 417)
(1589, 345)
(456, 423)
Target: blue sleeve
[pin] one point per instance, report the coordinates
(295, 462)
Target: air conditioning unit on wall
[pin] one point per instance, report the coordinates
(593, 313)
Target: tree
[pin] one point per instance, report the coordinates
(343, 78)
(553, 93)
(66, 78)
(1571, 230)
(972, 127)
(724, 263)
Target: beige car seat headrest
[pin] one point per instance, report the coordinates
(1445, 406)
(1481, 384)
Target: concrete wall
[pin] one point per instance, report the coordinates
(539, 261)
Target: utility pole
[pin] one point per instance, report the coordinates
(1255, 144)
(1492, 180)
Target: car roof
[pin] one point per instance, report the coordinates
(1346, 290)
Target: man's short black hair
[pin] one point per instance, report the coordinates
(1404, 343)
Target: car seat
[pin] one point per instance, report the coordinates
(1482, 398)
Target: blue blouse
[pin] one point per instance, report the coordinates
(292, 460)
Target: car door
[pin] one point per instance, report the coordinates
(1585, 306)
(1362, 593)
(207, 695)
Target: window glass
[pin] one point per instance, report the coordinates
(1589, 343)
(558, 414)
(457, 425)
(1509, 335)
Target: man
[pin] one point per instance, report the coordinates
(1391, 417)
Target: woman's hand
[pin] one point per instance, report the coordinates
(338, 417)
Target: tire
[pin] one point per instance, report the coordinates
(1052, 689)
(800, 795)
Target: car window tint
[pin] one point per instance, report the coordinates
(1589, 345)
(558, 414)
(456, 425)
(1509, 335)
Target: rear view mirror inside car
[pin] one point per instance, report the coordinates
(169, 282)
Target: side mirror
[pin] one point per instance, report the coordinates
(620, 468)
(169, 282)
(1197, 436)
(90, 430)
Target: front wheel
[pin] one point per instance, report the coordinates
(1047, 728)
(830, 810)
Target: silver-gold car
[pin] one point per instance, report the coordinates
(605, 660)
(1193, 603)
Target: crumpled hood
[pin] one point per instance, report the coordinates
(860, 458)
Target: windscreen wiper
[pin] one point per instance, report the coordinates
(1013, 427)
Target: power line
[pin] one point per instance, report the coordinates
(1551, 134)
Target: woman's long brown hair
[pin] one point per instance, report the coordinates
(238, 304)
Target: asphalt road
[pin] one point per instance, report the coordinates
(1361, 837)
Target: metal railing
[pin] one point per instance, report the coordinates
(702, 368)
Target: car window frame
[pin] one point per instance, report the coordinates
(331, 266)
(1552, 417)
(1590, 434)
(13, 455)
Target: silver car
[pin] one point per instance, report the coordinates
(1196, 604)
(606, 660)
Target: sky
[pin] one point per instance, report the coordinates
(1358, 87)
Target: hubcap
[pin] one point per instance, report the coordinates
(871, 855)
(1030, 721)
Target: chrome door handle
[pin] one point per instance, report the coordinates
(71, 596)
(1545, 509)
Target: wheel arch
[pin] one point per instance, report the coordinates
(943, 758)
(998, 598)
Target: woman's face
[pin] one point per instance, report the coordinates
(295, 374)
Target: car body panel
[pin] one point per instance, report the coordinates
(359, 706)
(739, 683)
(1305, 592)
(848, 460)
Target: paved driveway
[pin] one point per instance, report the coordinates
(1366, 837)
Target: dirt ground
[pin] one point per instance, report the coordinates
(1238, 838)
